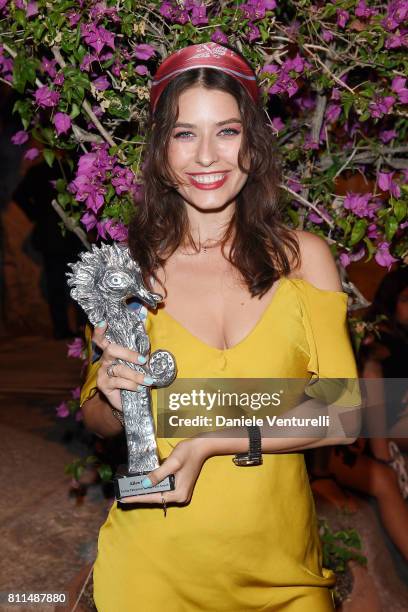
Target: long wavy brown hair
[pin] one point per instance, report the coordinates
(262, 247)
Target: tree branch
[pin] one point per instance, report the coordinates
(70, 224)
(305, 202)
(85, 104)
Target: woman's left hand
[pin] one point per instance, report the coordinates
(185, 462)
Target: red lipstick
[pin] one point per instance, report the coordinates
(208, 186)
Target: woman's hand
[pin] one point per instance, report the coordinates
(122, 376)
(185, 462)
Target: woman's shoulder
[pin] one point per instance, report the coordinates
(317, 265)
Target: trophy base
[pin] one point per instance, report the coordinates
(128, 484)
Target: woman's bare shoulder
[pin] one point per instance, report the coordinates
(317, 265)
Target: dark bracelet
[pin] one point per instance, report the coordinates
(254, 454)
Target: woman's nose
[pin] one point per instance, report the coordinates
(206, 153)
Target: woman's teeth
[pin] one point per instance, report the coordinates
(208, 178)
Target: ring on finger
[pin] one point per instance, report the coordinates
(110, 371)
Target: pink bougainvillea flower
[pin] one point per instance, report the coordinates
(316, 218)
(144, 51)
(141, 69)
(397, 39)
(59, 79)
(199, 14)
(19, 137)
(32, 153)
(277, 124)
(49, 66)
(372, 231)
(387, 135)
(381, 106)
(96, 199)
(62, 123)
(88, 220)
(116, 230)
(386, 183)
(122, 179)
(97, 36)
(73, 17)
(101, 83)
(256, 9)
(305, 102)
(342, 17)
(76, 393)
(87, 60)
(6, 66)
(100, 10)
(333, 112)
(398, 86)
(45, 97)
(383, 256)
(3, 3)
(219, 37)
(167, 10)
(298, 64)
(32, 9)
(363, 11)
(76, 348)
(327, 35)
(62, 410)
(97, 110)
(359, 204)
(89, 191)
(347, 258)
(397, 13)
(335, 94)
(310, 144)
(253, 33)
(294, 184)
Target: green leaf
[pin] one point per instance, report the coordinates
(61, 185)
(24, 109)
(23, 71)
(63, 199)
(91, 459)
(400, 210)
(75, 111)
(105, 472)
(20, 18)
(358, 231)
(370, 248)
(49, 156)
(391, 226)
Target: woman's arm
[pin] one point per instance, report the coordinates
(99, 418)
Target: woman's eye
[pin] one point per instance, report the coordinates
(183, 135)
(226, 131)
(230, 132)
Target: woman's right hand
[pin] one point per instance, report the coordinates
(124, 377)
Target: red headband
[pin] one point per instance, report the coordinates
(207, 55)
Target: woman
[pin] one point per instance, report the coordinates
(208, 231)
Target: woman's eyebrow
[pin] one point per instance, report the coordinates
(219, 123)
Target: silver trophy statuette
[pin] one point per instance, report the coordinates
(104, 282)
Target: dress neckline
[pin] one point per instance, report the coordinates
(280, 283)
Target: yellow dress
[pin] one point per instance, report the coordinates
(248, 540)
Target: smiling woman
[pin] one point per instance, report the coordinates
(235, 539)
